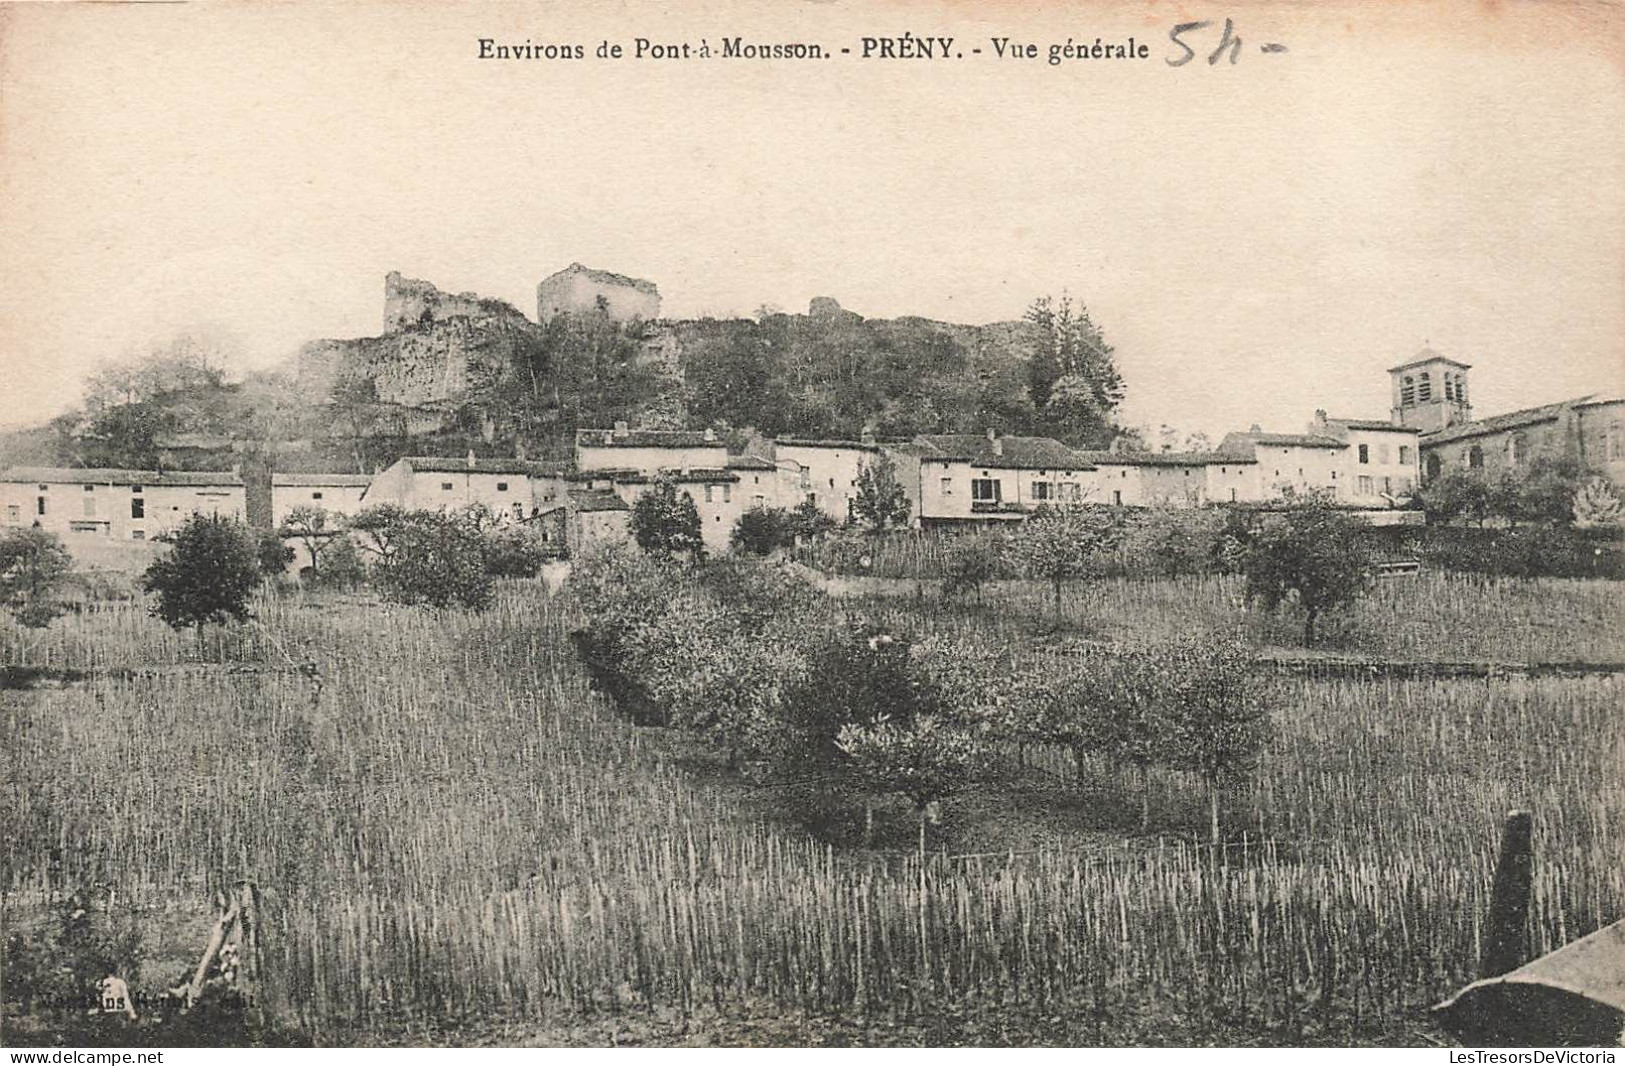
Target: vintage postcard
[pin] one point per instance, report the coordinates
(812, 523)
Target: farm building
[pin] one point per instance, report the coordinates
(108, 518)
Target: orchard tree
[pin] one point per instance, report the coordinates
(924, 759)
(435, 560)
(211, 568)
(1456, 494)
(315, 529)
(880, 502)
(665, 521)
(32, 566)
(1217, 709)
(1310, 556)
(379, 526)
(1060, 544)
(808, 521)
(972, 562)
(1093, 700)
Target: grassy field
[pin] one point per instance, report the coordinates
(459, 841)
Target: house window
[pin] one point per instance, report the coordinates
(1475, 458)
(1407, 391)
(1334, 475)
(14, 514)
(806, 477)
(727, 493)
(315, 495)
(1405, 454)
(708, 493)
(1232, 495)
(1365, 453)
(1117, 497)
(986, 490)
(1365, 484)
(138, 507)
(90, 488)
(502, 486)
(39, 505)
(445, 486)
(1041, 490)
(947, 486)
(138, 534)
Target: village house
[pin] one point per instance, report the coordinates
(1289, 464)
(1167, 479)
(1588, 431)
(340, 495)
(432, 483)
(108, 518)
(627, 462)
(1383, 462)
(823, 471)
(954, 479)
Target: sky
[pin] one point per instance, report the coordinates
(1257, 240)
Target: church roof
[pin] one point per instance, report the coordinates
(1529, 416)
(1428, 355)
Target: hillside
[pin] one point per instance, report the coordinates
(452, 372)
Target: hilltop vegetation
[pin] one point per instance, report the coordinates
(489, 379)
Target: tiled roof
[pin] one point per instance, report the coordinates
(1016, 453)
(597, 500)
(439, 464)
(1529, 416)
(1372, 424)
(46, 475)
(1243, 442)
(1428, 355)
(803, 442)
(1166, 458)
(750, 462)
(646, 438)
(318, 480)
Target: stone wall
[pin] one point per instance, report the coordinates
(413, 304)
(581, 290)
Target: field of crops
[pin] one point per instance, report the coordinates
(456, 836)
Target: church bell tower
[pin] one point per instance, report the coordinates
(1430, 392)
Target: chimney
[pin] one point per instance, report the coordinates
(620, 430)
(710, 434)
(519, 450)
(471, 459)
(1320, 416)
(1255, 428)
(868, 436)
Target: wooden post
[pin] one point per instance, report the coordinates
(1504, 940)
(216, 939)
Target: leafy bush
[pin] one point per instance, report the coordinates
(513, 550)
(972, 562)
(666, 521)
(763, 530)
(1526, 551)
(212, 566)
(33, 565)
(434, 560)
(1175, 542)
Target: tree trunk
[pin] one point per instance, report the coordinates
(1309, 626)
